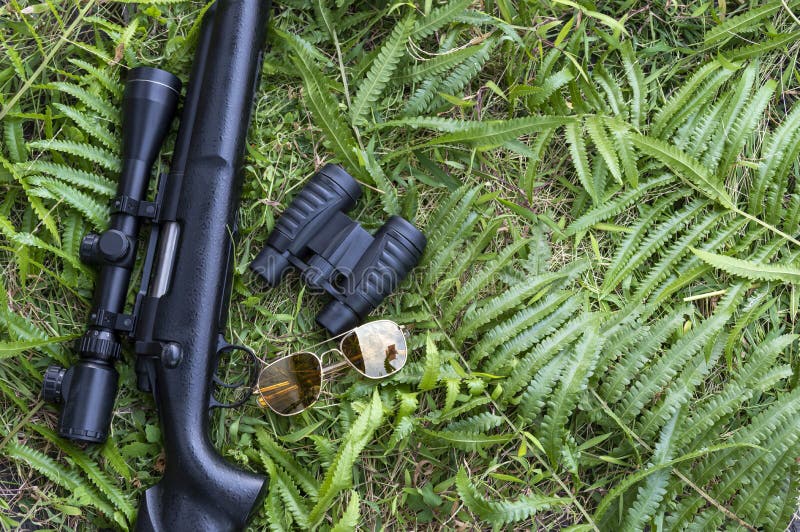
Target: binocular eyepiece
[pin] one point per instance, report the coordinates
(88, 389)
(335, 254)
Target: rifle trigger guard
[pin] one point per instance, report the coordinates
(225, 347)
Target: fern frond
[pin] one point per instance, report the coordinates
(750, 270)
(94, 212)
(89, 125)
(650, 494)
(80, 178)
(439, 17)
(92, 101)
(104, 158)
(109, 82)
(466, 441)
(99, 478)
(439, 64)
(664, 370)
(340, 473)
(491, 308)
(653, 242)
(580, 160)
(573, 381)
(325, 109)
(604, 145)
(81, 490)
(617, 381)
(744, 122)
(686, 100)
(548, 348)
(733, 26)
(383, 66)
(495, 132)
(287, 462)
(534, 398)
(349, 519)
(612, 208)
(502, 512)
(481, 279)
(685, 167)
(288, 492)
(525, 329)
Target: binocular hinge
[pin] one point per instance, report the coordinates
(139, 208)
(112, 320)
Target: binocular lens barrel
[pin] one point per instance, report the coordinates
(88, 389)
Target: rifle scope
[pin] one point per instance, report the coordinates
(87, 389)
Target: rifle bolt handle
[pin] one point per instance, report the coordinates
(171, 355)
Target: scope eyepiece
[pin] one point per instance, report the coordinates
(86, 392)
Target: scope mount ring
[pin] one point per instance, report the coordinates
(247, 386)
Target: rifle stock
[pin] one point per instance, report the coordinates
(199, 489)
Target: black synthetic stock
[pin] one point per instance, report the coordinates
(200, 490)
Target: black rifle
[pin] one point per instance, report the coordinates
(180, 312)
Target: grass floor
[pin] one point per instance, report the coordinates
(603, 325)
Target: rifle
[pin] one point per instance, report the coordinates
(180, 311)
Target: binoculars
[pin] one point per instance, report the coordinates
(334, 254)
(87, 389)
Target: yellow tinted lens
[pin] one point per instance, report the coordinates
(376, 349)
(290, 384)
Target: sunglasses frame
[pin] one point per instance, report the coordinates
(322, 368)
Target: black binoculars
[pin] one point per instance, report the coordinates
(335, 254)
(87, 389)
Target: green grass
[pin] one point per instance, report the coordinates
(604, 321)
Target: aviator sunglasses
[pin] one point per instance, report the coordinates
(292, 383)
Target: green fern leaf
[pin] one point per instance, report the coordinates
(326, 112)
(89, 125)
(545, 350)
(439, 64)
(574, 380)
(605, 146)
(750, 270)
(733, 26)
(340, 473)
(616, 206)
(781, 40)
(15, 142)
(92, 101)
(481, 279)
(496, 132)
(580, 160)
(651, 493)
(109, 81)
(502, 512)
(439, 17)
(289, 494)
(381, 71)
(688, 169)
(104, 158)
(349, 519)
(467, 441)
(80, 178)
(94, 212)
(99, 478)
(80, 490)
(287, 462)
